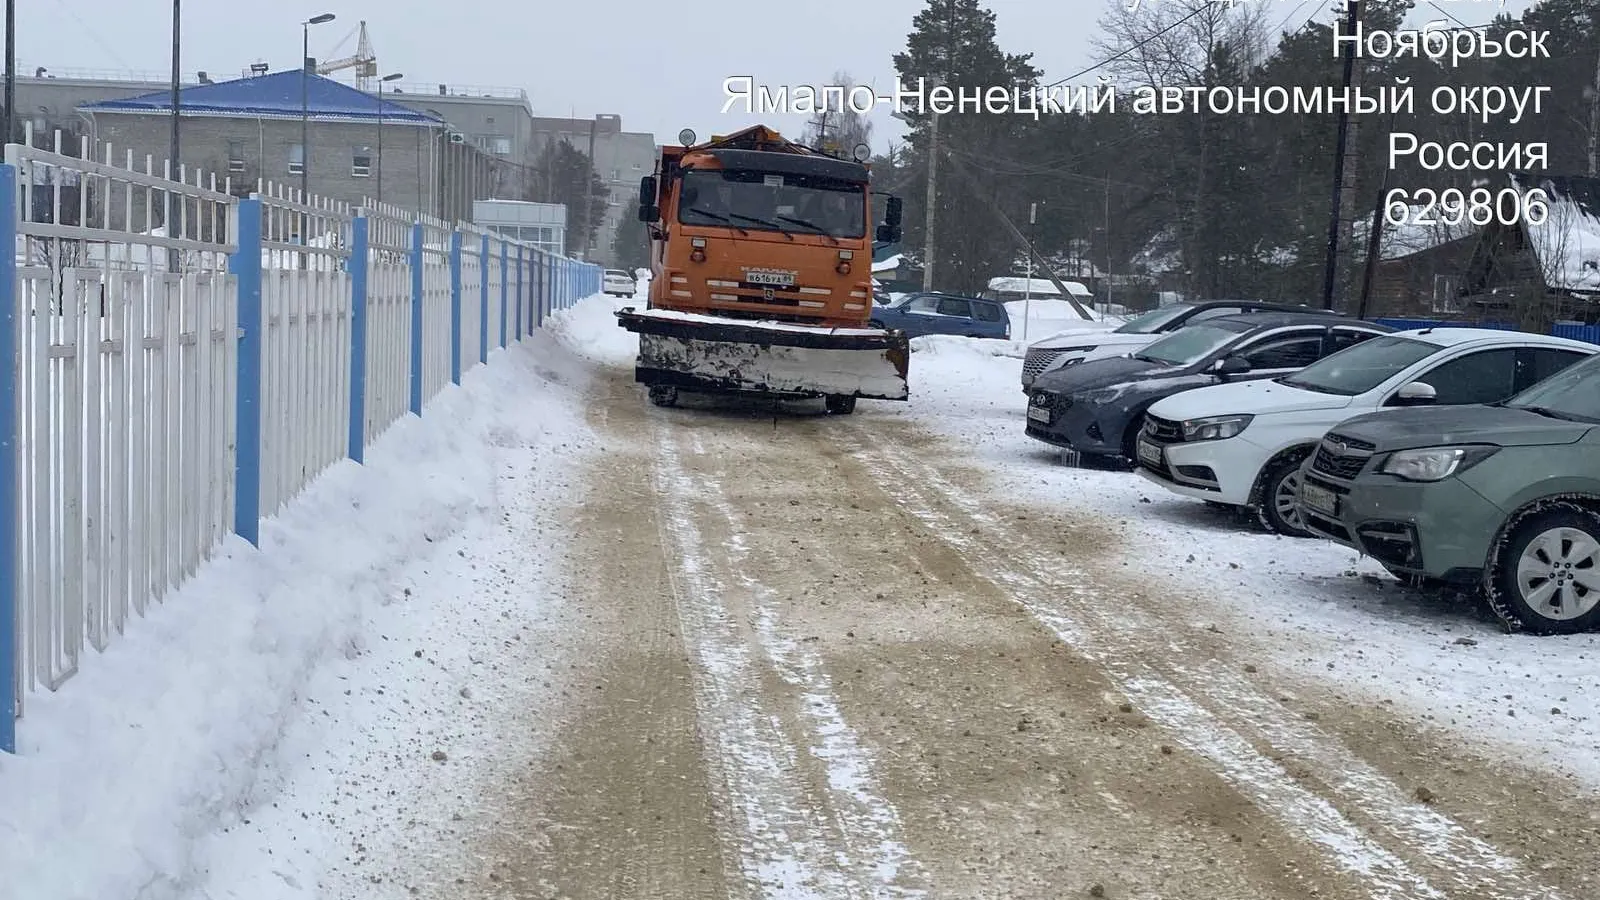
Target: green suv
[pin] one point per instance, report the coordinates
(1506, 495)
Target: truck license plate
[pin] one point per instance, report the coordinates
(773, 279)
(1149, 453)
(1039, 414)
(1320, 499)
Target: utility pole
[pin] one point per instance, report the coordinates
(1330, 275)
(588, 199)
(173, 261)
(928, 243)
(11, 72)
(1108, 243)
(1594, 122)
(1027, 291)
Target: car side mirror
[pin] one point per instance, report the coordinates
(1417, 393)
(1233, 365)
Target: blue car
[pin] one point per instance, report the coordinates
(924, 313)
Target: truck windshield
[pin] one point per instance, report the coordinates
(760, 201)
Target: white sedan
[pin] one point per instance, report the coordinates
(619, 283)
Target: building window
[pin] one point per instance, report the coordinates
(498, 144)
(361, 162)
(297, 159)
(236, 156)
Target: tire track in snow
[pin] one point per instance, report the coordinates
(1117, 642)
(787, 850)
(869, 825)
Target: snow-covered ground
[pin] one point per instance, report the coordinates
(296, 716)
(329, 698)
(1319, 609)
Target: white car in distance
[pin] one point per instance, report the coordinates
(1241, 444)
(619, 283)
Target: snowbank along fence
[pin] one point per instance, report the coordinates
(163, 388)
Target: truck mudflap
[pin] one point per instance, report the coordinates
(695, 352)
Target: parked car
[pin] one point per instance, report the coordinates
(619, 283)
(924, 313)
(1078, 345)
(1504, 495)
(1097, 407)
(1242, 444)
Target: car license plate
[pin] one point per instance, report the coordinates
(774, 279)
(1039, 414)
(1320, 499)
(1149, 453)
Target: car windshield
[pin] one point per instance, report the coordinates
(1153, 321)
(1187, 346)
(760, 201)
(1572, 393)
(1361, 368)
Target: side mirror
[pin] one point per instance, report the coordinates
(647, 193)
(1417, 393)
(887, 234)
(648, 214)
(891, 214)
(1233, 365)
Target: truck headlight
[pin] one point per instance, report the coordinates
(1434, 463)
(1215, 428)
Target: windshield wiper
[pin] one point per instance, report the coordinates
(758, 222)
(721, 218)
(1549, 413)
(804, 223)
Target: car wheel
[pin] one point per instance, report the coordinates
(1276, 503)
(663, 395)
(1544, 577)
(840, 404)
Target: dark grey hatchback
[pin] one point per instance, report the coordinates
(1096, 408)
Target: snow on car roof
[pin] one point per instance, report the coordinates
(1450, 337)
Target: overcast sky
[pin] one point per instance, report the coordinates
(661, 67)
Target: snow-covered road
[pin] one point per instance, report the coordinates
(556, 642)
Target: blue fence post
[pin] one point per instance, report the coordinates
(505, 295)
(359, 241)
(418, 235)
(245, 264)
(455, 306)
(10, 450)
(483, 285)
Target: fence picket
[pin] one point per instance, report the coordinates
(159, 410)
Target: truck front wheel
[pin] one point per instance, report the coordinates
(840, 404)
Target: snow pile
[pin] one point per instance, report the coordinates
(888, 264)
(1032, 320)
(1313, 609)
(590, 328)
(283, 706)
(958, 349)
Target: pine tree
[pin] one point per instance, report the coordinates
(630, 246)
(953, 41)
(564, 175)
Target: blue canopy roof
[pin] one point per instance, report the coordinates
(272, 96)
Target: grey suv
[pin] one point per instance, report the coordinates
(1504, 495)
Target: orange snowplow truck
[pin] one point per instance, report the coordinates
(761, 254)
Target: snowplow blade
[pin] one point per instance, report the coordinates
(695, 352)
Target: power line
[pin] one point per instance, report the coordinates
(1197, 11)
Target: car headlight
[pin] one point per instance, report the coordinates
(1215, 428)
(1435, 463)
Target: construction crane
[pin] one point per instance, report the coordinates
(365, 62)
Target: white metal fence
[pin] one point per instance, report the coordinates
(163, 390)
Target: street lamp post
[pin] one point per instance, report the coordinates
(392, 77)
(305, 111)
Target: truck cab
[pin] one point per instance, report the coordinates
(753, 226)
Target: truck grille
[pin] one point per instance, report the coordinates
(1342, 457)
(1036, 360)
